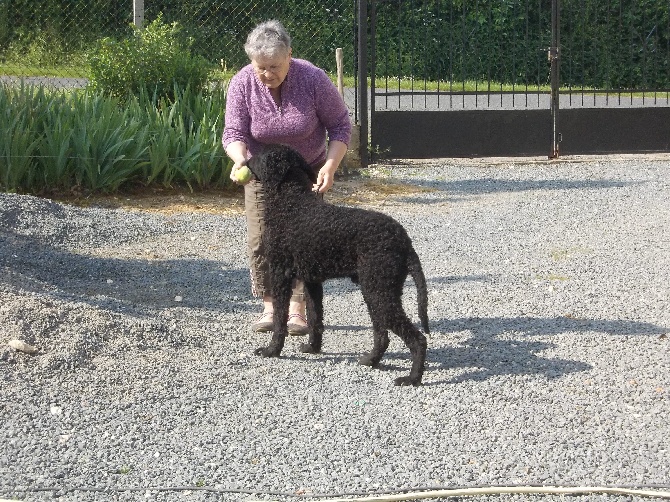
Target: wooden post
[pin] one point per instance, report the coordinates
(339, 58)
(362, 20)
(138, 13)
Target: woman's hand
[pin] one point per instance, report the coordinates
(325, 178)
(237, 151)
(233, 172)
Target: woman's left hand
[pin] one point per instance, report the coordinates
(325, 178)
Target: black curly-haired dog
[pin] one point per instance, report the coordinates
(312, 240)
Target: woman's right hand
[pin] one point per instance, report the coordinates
(233, 172)
(237, 151)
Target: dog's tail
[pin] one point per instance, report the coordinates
(415, 270)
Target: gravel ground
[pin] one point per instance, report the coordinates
(547, 363)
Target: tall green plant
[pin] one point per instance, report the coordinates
(56, 140)
(56, 160)
(18, 143)
(109, 143)
(185, 145)
(19, 138)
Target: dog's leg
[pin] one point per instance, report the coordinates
(314, 292)
(379, 345)
(379, 332)
(416, 343)
(281, 294)
(387, 312)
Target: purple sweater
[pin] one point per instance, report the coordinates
(310, 107)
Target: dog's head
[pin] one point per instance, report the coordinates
(277, 164)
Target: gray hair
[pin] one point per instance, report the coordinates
(268, 39)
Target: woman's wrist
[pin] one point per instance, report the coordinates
(336, 152)
(237, 151)
(330, 166)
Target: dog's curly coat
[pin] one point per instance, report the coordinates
(312, 240)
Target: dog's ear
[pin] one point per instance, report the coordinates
(298, 165)
(257, 167)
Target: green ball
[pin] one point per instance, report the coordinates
(243, 174)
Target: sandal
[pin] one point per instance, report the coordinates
(297, 329)
(263, 324)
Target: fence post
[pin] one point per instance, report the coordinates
(363, 79)
(339, 62)
(555, 59)
(138, 13)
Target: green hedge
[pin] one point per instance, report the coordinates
(604, 43)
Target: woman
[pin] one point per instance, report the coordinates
(280, 99)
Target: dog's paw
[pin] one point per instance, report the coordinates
(267, 352)
(407, 381)
(368, 360)
(307, 348)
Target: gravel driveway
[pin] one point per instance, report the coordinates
(548, 362)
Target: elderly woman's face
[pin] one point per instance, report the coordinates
(271, 71)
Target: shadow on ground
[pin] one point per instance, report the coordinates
(490, 352)
(121, 284)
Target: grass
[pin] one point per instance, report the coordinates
(418, 84)
(28, 70)
(76, 71)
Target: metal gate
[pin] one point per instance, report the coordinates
(453, 78)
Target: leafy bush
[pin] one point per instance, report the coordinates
(156, 57)
(58, 141)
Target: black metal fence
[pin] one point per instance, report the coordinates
(518, 55)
